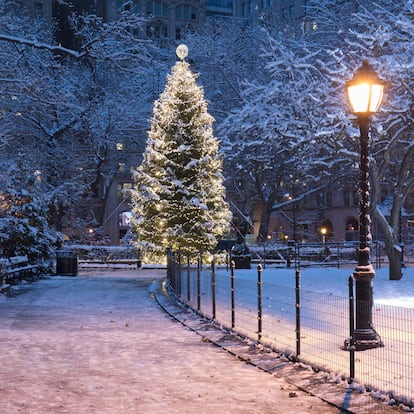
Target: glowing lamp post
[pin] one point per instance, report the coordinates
(365, 93)
(324, 232)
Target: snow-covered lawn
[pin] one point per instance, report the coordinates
(334, 281)
(324, 319)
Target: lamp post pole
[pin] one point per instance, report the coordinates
(365, 95)
(365, 336)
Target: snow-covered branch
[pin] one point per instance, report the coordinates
(40, 45)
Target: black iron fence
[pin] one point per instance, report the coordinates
(311, 327)
(338, 254)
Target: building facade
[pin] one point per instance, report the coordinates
(167, 19)
(329, 215)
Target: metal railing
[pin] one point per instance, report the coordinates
(305, 254)
(306, 326)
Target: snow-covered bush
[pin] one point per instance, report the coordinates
(23, 218)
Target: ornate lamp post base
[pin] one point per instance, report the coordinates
(362, 340)
(366, 339)
(362, 335)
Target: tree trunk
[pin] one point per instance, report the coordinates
(392, 242)
(395, 260)
(264, 224)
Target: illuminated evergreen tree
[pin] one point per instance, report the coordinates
(178, 200)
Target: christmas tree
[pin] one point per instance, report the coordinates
(179, 196)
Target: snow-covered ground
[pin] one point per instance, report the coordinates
(334, 281)
(324, 320)
(98, 343)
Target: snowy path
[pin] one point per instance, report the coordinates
(98, 343)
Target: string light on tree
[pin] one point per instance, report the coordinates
(181, 170)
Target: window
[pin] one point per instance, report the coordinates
(287, 12)
(325, 199)
(186, 12)
(350, 198)
(157, 29)
(38, 175)
(329, 199)
(38, 10)
(347, 198)
(355, 197)
(157, 8)
(306, 5)
(351, 230)
(124, 219)
(123, 190)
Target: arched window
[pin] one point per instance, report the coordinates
(351, 229)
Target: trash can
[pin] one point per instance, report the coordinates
(66, 263)
(241, 256)
(242, 262)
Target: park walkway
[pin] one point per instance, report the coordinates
(100, 343)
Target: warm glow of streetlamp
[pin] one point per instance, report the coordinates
(365, 90)
(324, 232)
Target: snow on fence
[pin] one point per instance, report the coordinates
(306, 326)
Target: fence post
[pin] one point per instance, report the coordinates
(351, 346)
(297, 255)
(169, 267)
(199, 283)
(188, 280)
(259, 302)
(174, 271)
(213, 288)
(297, 290)
(233, 318)
(227, 260)
(378, 255)
(179, 274)
(337, 255)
